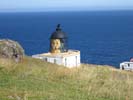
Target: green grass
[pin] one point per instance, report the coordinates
(34, 79)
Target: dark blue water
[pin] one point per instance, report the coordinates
(104, 38)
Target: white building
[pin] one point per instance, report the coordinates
(126, 66)
(59, 53)
(68, 59)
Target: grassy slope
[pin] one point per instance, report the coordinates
(37, 80)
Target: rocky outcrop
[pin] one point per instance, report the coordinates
(11, 49)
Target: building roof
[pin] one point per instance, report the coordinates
(58, 34)
(66, 54)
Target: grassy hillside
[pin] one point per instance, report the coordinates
(37, 80)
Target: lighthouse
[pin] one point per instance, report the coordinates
(59, 52)
(58, 41)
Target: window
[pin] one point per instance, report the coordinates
(54, 61)
(76, 61)
(46, 59)
(122, 67)
(65, 61)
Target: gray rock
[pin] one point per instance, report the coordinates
(11, 49)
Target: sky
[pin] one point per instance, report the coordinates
(64, 5)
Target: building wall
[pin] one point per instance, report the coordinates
(71, 61)
(126, 66)
(68, 61)
(55, 60)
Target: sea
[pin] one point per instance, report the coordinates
(103, 37)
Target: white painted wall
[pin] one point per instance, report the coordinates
(68, 61)
(71, 61)
(126, 66)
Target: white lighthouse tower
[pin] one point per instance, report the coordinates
(59, 52)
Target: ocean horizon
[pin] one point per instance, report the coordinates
(103, 37)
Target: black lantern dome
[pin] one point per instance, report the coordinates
(60, 36)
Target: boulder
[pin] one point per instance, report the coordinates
(11, 49)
